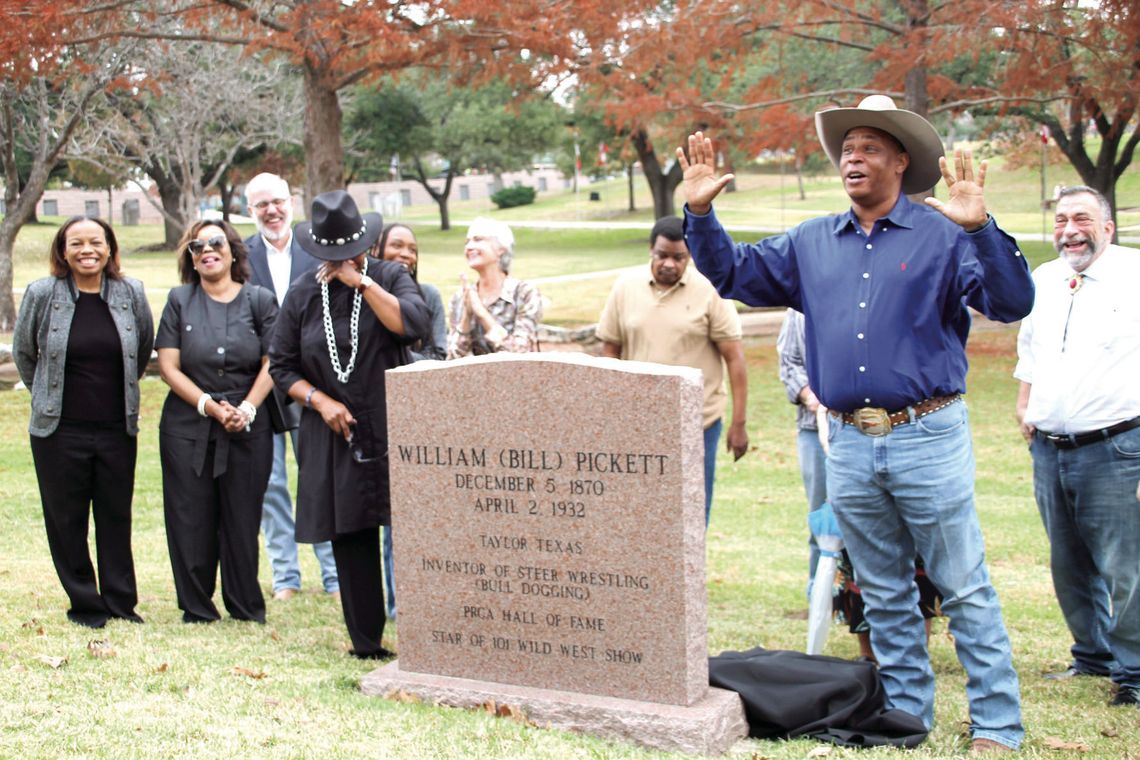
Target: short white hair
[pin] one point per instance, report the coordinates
(270, 182)
(502, 233)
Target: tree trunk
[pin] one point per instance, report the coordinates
(916, 93)
(9, 227)
(34, 216)
(800, 174)
(629, 176)
(439, 196)
(444, 213)
(173, 222)
(226, 191)
(1102, 174)
(728, 167)
(661, 184)
(16, 216)
(324, 153)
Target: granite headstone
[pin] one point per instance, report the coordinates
(548, 514)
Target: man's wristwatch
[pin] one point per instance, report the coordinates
(365, 283)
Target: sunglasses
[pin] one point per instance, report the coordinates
(196, 247)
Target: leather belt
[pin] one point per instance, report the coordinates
(1076, 440)
(875, 421)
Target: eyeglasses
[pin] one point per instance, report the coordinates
(361, 449)
(196, 247)
(278, 202)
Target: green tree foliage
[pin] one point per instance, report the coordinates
(441, 130)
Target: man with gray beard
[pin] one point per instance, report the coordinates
(275, 261)
(1079, 409)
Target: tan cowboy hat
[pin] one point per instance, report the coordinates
(917, 135)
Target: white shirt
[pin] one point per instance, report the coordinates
(1081, 351)
(280, 266)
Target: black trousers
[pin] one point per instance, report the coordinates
(357, 558)
(85, 469)
(215, 520)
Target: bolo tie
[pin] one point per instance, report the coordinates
(1074, 284)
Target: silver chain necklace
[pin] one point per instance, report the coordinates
(330, 338)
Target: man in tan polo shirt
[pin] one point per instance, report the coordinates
(671, 314)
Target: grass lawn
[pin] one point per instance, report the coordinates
(287, 689)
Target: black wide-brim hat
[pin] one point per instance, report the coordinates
(336, 231)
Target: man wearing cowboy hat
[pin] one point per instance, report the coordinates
(884, 289)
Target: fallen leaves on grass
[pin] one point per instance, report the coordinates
(257, 675)
(162, 668)
(33, 625)
(505, 711)
(399, 695)
(1111, 733)
(820, 752)
(101, 649)
(1052, 742)
(52, 662)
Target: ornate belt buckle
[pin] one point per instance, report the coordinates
(873, 421)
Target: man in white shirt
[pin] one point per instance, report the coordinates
(1079, 409)
(275, 260)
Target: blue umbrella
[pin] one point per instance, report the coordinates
(830, 540)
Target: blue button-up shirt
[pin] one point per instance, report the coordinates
(885, 313)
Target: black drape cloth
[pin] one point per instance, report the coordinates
(791, 694)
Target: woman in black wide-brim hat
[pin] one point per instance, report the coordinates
(336, 335)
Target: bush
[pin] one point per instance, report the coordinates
(508, 197)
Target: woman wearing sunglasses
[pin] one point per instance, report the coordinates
(216, 446)
(337, 334)
(81, 344)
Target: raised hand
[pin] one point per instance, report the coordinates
(700, 180)
(966, 205)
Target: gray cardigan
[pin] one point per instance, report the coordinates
(39, 344)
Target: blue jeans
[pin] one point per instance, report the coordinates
(912, 492)
(389, 579)
(1088, 501)
(280, 531)
(712, 438)
(813, 468)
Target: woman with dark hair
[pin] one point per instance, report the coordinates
(81, 344)
(216, 448)
(398, 243)
(336, 336)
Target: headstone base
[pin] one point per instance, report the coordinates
(708, 727)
